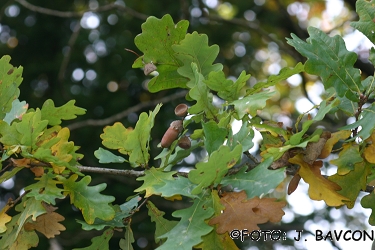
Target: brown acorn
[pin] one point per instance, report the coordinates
(181, 110)
(171, 134)
(184, 142)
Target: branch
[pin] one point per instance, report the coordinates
(256, 28)
(64, 63)
(98, 170)
(67, 14)
(121, 115)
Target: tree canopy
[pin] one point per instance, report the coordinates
(95, 156)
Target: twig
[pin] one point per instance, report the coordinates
(256, 28)
(98, 170)
(64, 63)
(67, 14)
(121, 115)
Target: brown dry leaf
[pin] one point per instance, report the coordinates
(268, 207)
(320, 188)
(240, 213)
(335, 137)
(24, 162)
(293, 184)
(48, 224)
(314, 149)
(38, 171)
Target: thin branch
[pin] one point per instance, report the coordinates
(67, 14)
(256, 28)
(98, 170)
(66, 59)
(121, 115)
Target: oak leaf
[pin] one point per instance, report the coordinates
(4, 218)
(240, 213)
(369, 152)
(319, 187)
(48, 224)
(335, 137)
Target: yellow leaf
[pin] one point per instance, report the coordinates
(335, 137)
(4, 218)
(319, 187)
(369, 152)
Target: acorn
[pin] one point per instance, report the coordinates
(181, 110)
(149, 68)
(171, 134)
(184, 142)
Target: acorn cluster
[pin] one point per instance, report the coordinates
(175, 129)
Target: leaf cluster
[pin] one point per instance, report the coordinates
(228, 189)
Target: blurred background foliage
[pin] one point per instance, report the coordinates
(75, 49)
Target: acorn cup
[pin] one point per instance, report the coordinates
(149, 68)
(171, 134)
(184, 142)
(181, 110)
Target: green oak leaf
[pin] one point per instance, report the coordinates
(54, 115)
(257, 181)
(9, 174)
(251, 104)
(214, 136)
(168, 78)
(31, 127)
(106, 156)
(17, 111)
(199, 92)
(274, 79)
(45, 189)
(348, 157)
(357, 179)
(62, 154)
(372, 56)
(88, 198)
(100, 242)
(365, 121)
(189, 230)
(9, 134)
(368, 201)
(162, 225)
(154, 178)
(366, 12)
(22, 241)
(11, 78)
(226, 88)
(155, 41)
(213, 240)
(29, 207)
(178, 186)
(134, 142)
(171, 156)
(194, 49)
(243, 137)
(329, 59)
(324, 108)
(121, 212)
(277, 152)
(212, 171)
(126, 242)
